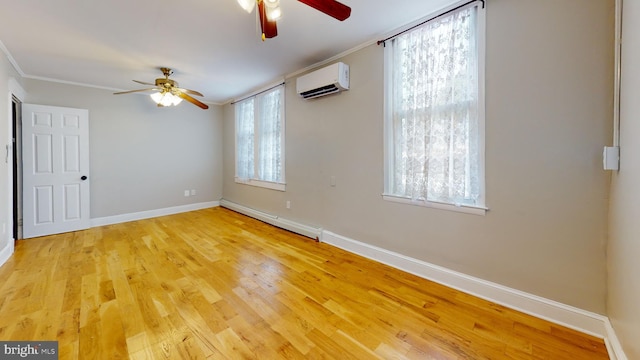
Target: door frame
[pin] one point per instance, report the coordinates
(15, 92)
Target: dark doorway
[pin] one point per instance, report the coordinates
(16, 144)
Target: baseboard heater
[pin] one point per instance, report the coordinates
(304, 230)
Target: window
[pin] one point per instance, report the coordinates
(434, 114)
(260, 139)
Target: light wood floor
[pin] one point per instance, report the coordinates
(216, 284)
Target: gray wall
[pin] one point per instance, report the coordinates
(549, 104)
(142, 157)
(623, 301)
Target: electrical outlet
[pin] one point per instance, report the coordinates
(193, 192)
(288, 204)
(186, 193)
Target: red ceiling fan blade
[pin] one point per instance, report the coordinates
(332, 8)
(269, 28)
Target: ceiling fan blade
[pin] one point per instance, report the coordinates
(132, 91)
(192, 100)
(144, 83)
(188, 91)
(269, 28)
(332, 8)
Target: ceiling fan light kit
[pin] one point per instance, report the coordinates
(167, 91)
(247, 5)
(269, 12)
(274, 14)
(165, 99)
(273, 10)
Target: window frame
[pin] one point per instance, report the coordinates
(388, 127)
(255, 181)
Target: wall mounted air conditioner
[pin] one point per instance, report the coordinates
(328, 80)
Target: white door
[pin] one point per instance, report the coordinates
(55, 147)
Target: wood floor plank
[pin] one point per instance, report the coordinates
(214, 284)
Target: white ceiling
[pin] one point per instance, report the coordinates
(213, 46)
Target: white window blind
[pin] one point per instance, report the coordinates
(435, 118)
(260, 139)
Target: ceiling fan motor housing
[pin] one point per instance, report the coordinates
(166, 83)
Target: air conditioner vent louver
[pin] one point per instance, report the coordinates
(325, 90)
(328, 80)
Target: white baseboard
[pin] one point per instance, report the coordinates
(305, 230)
(116, 219)
(562, 314)
(613, 344)
(6, 253)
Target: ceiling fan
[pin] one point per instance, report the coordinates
(269, 12)
(167, 91)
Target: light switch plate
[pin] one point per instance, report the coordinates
(611, 157)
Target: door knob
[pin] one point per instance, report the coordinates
(84, 177)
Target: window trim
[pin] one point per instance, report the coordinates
(272, 185)
(261, 183)
(388, 142)
(463, 208)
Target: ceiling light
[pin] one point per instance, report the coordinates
(247, 5)
(165, 99)
(274, 14)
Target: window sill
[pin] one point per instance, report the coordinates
(262, 184)
(467, 209)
